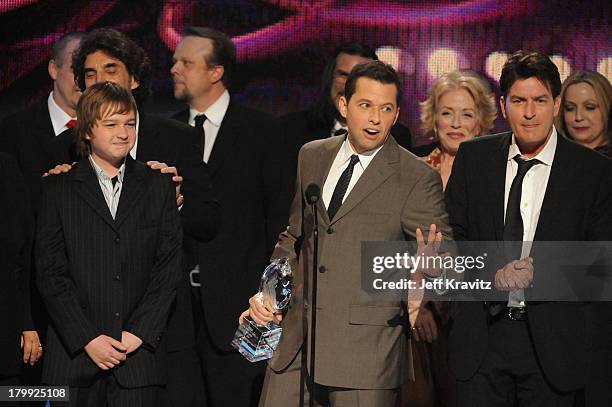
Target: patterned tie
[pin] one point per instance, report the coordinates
(341, 187)
(199, 126)
(71, 123)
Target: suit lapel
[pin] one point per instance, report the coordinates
(321, 172)
(497, 181)
(88, 187)
(548, 221)
(182, 116)
(226, 139)
(381, 168)
(134, 186)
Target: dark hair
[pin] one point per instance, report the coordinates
(524, 65)
(97, 102)
(223, 51)
(117, 45)
(324, 111)
(59, 46)
(378, 71)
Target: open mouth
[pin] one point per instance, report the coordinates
(371, 132)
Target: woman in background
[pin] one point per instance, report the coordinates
(459, 106)
(586, 110)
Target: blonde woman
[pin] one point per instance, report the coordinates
(586, 110)
(459, 106)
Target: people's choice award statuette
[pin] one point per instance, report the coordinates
(257, 342)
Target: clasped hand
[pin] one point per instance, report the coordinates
(516, 275)
(107, 352)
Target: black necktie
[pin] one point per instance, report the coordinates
(199, 126)
(341, 187)
(513, 225)
(114, 180)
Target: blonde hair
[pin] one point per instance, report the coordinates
(474, 84)
(603, 92)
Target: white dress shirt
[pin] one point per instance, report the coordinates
(111, 192)
(532, 196)
(214, 117)
(59, 118)
(340, 163)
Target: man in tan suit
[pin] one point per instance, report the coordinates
(371, 190)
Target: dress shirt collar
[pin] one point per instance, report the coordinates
(215, 112)
(59, 118)
(346, 151)
(102, 175)
(546, 156)
(337, 126)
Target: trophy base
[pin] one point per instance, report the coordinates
(256, 342)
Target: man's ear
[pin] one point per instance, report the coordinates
(396, 115)
(134, 83)
(217, 73)
(343, 106)
(52, 68)
(502, 104)
(557, 106)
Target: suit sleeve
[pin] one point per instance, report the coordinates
(151, 314)
(53, 277)
(276, 183)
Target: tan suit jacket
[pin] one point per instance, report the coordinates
(357, 345)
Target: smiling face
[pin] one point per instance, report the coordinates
(583, 115)
(530, 109)
(457, 119)
(370, 113)
(111, 139)
(100, 67)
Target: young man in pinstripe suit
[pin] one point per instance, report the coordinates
(108, 256)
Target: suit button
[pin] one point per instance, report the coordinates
(330, 230)
(117, 315)
(305, 305)
(117, 277)
(322, 269)
(117, 240)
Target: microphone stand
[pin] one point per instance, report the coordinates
(313, 305)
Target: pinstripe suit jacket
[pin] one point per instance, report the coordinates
(100, 275)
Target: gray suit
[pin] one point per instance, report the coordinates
(357, 346)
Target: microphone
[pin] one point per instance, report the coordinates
(312, 193)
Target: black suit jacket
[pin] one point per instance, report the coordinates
(165, 140)
(299, 130)
(576, 207)
(249, 174)
(27, 135)
(100, 275)
(16, 233)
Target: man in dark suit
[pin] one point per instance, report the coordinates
(527, 185)
(108, 255)
(245, 154)
(322, 119)
(371, 190)
(109, 55)
(26, 134)
(17, 226)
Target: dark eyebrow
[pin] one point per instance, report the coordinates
(111, 65)
(342, 72)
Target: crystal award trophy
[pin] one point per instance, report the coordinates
(257, 342)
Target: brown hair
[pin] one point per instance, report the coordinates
(603, 92)
(525, 65)
(97, 102)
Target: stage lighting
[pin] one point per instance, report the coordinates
(441, 61)
(562, 65)
(494, 64)
(399, 59)
(604, 67)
